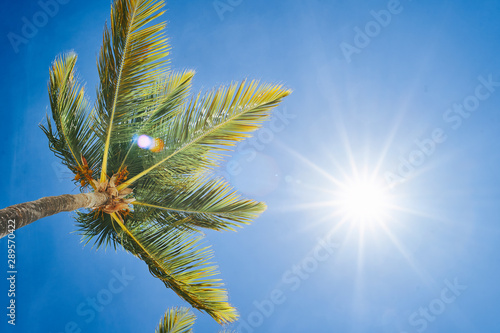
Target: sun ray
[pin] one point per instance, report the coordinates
(388, 143)
(420, 272)
(347, 147)
(351, 201)
(310, 164)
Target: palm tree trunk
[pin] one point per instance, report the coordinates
(17, 216)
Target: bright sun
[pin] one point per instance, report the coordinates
(359, 196)
(363, 200)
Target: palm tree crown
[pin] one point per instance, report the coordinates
(158, 198)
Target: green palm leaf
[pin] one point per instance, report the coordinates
(133, 57)
(171, 95)
(201, 203)
(97, 227)
(72, 136)
(177, 320)
(177, 258)
(210, 125)
(165, 100)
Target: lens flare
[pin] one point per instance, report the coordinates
(157, 145)
(144, 141)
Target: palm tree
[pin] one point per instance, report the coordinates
(153, 202)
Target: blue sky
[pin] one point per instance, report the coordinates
(411, 100)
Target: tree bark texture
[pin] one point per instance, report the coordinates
(20, 215)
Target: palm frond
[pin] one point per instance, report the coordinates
(133, 57)
(99, 227)
(211, 124)
(72, 137)
(177, 320)
(165, 100)
(200, 203)
(171, 95)
(177, 258)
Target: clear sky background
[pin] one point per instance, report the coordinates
(363, 105)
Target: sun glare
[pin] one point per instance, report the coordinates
(363, 200)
